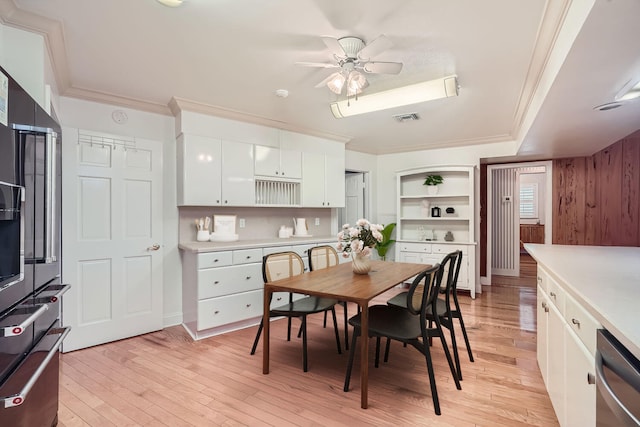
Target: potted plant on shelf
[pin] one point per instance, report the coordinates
(432, 182)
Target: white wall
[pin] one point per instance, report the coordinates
(97, 117)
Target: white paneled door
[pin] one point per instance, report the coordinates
(112, 235)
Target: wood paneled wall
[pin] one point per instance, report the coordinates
(596, 200)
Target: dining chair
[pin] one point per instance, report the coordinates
(407, 325)
(326, 256)
(446, 310)
(282, 265)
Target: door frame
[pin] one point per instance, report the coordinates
(548, 214)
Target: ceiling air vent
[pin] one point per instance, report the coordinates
(407, 117)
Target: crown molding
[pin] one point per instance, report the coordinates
(177, 105)
(118, 100)
(440, 144)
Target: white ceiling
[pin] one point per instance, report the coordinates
(230, 56)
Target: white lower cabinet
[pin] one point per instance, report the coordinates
(433, 253)
(223, 291)
(566, 353)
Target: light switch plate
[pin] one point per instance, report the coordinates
(241, 222)
(317, 221)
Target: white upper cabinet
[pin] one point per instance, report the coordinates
(323, 180)
(199, 164)
(278, 162)
(212, 172)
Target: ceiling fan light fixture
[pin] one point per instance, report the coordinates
(336, 84)
(171, 3)
(413, 94)
(631, 90)
(356, 83)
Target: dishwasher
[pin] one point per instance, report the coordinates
(617, 384)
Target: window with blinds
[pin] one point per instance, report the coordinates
(529, 200)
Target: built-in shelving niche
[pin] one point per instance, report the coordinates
(277, 193)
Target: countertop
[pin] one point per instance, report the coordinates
(255, 243)
(604, 279)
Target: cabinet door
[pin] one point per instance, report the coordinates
(542, 334)
(334, 181)
(290, 163)
(267, 161)
(199, 163)
(581, 391)
(555, 362)
(313, 180)
(238, 187)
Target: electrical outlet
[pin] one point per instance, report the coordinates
(242, 223)
(317, 221)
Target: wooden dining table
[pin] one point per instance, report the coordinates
(339, 282)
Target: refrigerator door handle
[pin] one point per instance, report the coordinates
(19, 398)
(50, 255)
(15, 330)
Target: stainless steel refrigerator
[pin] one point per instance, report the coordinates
(30, 244)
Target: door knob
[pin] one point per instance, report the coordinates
(154, 247)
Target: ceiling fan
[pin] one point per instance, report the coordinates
(353, 56)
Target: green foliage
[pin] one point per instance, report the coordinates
(383, 246)
(433, 180)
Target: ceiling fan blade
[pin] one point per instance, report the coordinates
(327, 80)
(317, 64)
(377, 46)
(382, 67)
(334, 46)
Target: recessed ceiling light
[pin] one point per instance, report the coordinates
(171, 3)
(282, 93)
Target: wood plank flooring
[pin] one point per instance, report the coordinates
(166, 379)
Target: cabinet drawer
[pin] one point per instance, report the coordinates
(582, 323)
(445, 249)
(228, 309)
(214, 282)
(214, 259)
(542, 279)
(275, 249)
(416, 247)
(556, 294)
(247, 256)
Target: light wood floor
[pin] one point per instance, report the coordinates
(164, 378)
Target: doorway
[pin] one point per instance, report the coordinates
(356, 197)
(504, 212)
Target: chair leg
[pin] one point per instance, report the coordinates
(352, 352)
(304, 343)
(446, 353)
(458, 314)
(432, 377)
(466, 338)
(289, 329)
(255, 342)
(324, 324)
(454, 345)
(377, 360)
(386, 350)
(346, 325)
(335, 328)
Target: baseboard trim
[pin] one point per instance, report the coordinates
(172, 320)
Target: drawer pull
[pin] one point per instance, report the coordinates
(215, 260)
(248, 277)
(591, 378)
(216, 282)
(546, 307)
(553, 294)
(216, 312)
(248, 305)
(575, 322)
(248, 256)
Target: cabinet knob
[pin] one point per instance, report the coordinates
(575, 322)
(215, 260)
(217, 201)
(248, 256)
(248, 305)
(216, 282)
(591, 379)
(546, 307)
(553, 294)
(248, 277)
(276, 172)
(216, 312)
(226, 201)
